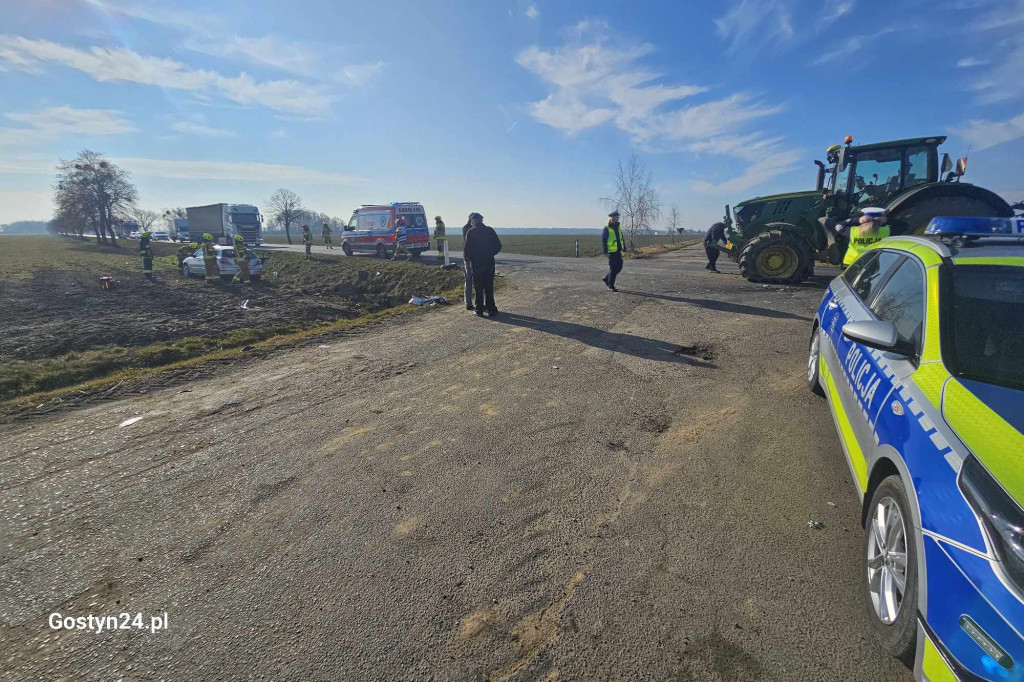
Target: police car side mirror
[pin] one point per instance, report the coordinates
(873, 334)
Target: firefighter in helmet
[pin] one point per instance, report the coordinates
(146, 251)
(241, 260)
(209, 258)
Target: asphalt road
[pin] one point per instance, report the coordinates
(593, 486)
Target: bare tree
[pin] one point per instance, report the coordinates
(635, 199)
(285, 207)
(673, 221)
(144, 217)
(91, 192)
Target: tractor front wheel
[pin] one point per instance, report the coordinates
(776, 257)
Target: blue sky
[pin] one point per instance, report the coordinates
(516, 109)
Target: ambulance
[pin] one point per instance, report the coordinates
(372, 229)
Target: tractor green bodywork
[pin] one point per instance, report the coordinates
(902, 176)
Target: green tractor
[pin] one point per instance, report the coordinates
(778, 238)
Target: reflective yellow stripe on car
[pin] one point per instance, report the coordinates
(992, 440)
(933, 665)
(853, 451)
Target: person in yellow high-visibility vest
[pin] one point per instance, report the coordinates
(210, 259)
(613, 246)
(870, 229)
(241, 260)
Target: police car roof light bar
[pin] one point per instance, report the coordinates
(971, 226)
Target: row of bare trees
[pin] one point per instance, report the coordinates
(286, 211)
(91, 194)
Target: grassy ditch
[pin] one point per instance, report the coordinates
(63, 331)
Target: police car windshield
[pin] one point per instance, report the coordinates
(983, 324)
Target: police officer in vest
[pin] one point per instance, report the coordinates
(871, 228)
(209, 258)
(146, 251)
(325, 233)
(612, 244)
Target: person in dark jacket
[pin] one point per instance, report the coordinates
(613, 246)
(479, 249)
(467, 266)
(714, 235)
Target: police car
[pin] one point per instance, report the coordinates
(919, 350)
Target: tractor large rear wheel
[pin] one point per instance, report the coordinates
(913, 219)
(776, 257)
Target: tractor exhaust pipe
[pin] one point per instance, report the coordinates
(820, 184)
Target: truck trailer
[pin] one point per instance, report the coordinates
(224, 221)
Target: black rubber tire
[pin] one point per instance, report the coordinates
(814, 383)
(913, 219)
(346, 249)
(382, 251)
(900, 638)
(185, 272)
(776, 238)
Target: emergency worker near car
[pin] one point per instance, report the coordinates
(209, 258)
(307, 239)
(184, 251)
(146, 251)
(714, 236)
(439, 236)
(401, 237)
(242, 261)
(326, 234)
(870, 229)
(480, 247)
(612, 245)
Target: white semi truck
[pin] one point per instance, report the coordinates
(224, 221)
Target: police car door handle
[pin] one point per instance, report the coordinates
(833, 304)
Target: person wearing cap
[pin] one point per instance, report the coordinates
(241, 260)
(868, 230)
(480, 248)
(466, 265)
(307, 239)
(401, 238)
(714, 236)
(613, 246)
(209, 258)
(146, 251)
(325, 232)
(439, 236)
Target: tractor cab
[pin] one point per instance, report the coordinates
(875, 174)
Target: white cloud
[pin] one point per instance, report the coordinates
(969, 62)
(190, 128)
(532, 12)
(280, 134)
(121, 64)
(756, 173)
(835, 9)
(266, 50)
(595, 82)
(161, 14)
(983, 134)
(360, 74)
(1003, 15)
(753, 24)
(54, 123)
(232, 170)
(846, 48)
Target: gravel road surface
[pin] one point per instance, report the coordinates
(593, 486)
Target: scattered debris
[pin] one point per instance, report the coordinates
(129, 422)
(831, 504)
(554, 367)
(428, 300)
(323, 345)
(705, 353)
(815, 525)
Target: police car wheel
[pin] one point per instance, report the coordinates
(890, 569)
(346, 249)
(813, 358)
